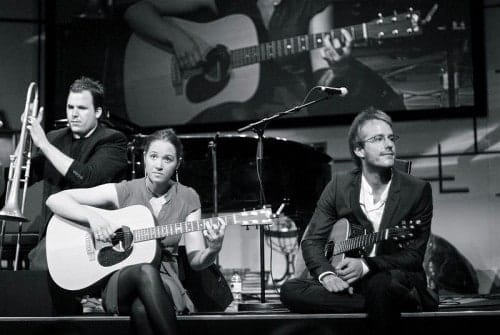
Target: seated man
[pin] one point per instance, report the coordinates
(374, 196)
(83, 154)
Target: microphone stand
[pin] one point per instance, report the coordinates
(259, 127)
(212, 146)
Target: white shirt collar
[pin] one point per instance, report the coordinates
(366, 195)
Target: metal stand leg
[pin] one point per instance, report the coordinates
(290, 260)
(18, 245)
(2, 235)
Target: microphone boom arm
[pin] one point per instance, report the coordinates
(292, 110)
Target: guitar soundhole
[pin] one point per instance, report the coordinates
(214, 78)
(121, 248)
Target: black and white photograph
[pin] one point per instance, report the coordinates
(273, 167)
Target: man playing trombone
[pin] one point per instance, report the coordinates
(83, 154)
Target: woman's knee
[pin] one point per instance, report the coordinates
(148, 272)
(138, 309)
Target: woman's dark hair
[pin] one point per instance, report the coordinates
(363, 117)
(93, 86)
(167, 135)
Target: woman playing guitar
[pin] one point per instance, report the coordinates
(151, 296)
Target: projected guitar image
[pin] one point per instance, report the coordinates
(154, 81)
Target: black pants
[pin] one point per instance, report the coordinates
(383, 296)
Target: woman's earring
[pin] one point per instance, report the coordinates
(176, 175)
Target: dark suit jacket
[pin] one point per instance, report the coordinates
(102, 159)
(409, 198)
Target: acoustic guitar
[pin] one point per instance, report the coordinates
(343, 239)
(76, 260)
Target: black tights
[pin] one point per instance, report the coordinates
(141, 294)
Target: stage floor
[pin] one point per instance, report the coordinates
(457, 315)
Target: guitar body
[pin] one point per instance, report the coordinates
(340, 232)
(75, 262)
(156, 92)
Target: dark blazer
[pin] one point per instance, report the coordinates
(101, 158)
(409, 198)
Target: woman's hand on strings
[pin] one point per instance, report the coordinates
(214, 234)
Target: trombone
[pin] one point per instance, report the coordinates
(20, 162)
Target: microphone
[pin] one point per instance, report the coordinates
(342, 91)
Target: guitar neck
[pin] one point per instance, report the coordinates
(172, 229)
(360, 241)
(290, 46)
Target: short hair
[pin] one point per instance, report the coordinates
(167, 135)
(358, 122)
(93, 86)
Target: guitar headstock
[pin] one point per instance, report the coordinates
(254, 217)
(394, 26)
(404, 231)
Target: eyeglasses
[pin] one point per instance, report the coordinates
(377, 139)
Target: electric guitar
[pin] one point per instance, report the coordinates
(158, 91)
(77, 261)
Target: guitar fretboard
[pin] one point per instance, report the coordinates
(249, 218)
(289, 46)
(360, 241)
(172, 229)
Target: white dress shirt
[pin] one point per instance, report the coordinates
(373, 211)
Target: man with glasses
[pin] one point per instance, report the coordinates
(389, 278)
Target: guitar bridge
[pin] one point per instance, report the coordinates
(329, 250)
(177, 79)
(89, 246)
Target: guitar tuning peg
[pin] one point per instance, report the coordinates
(380, 18)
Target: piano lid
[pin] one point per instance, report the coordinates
(291, 170)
